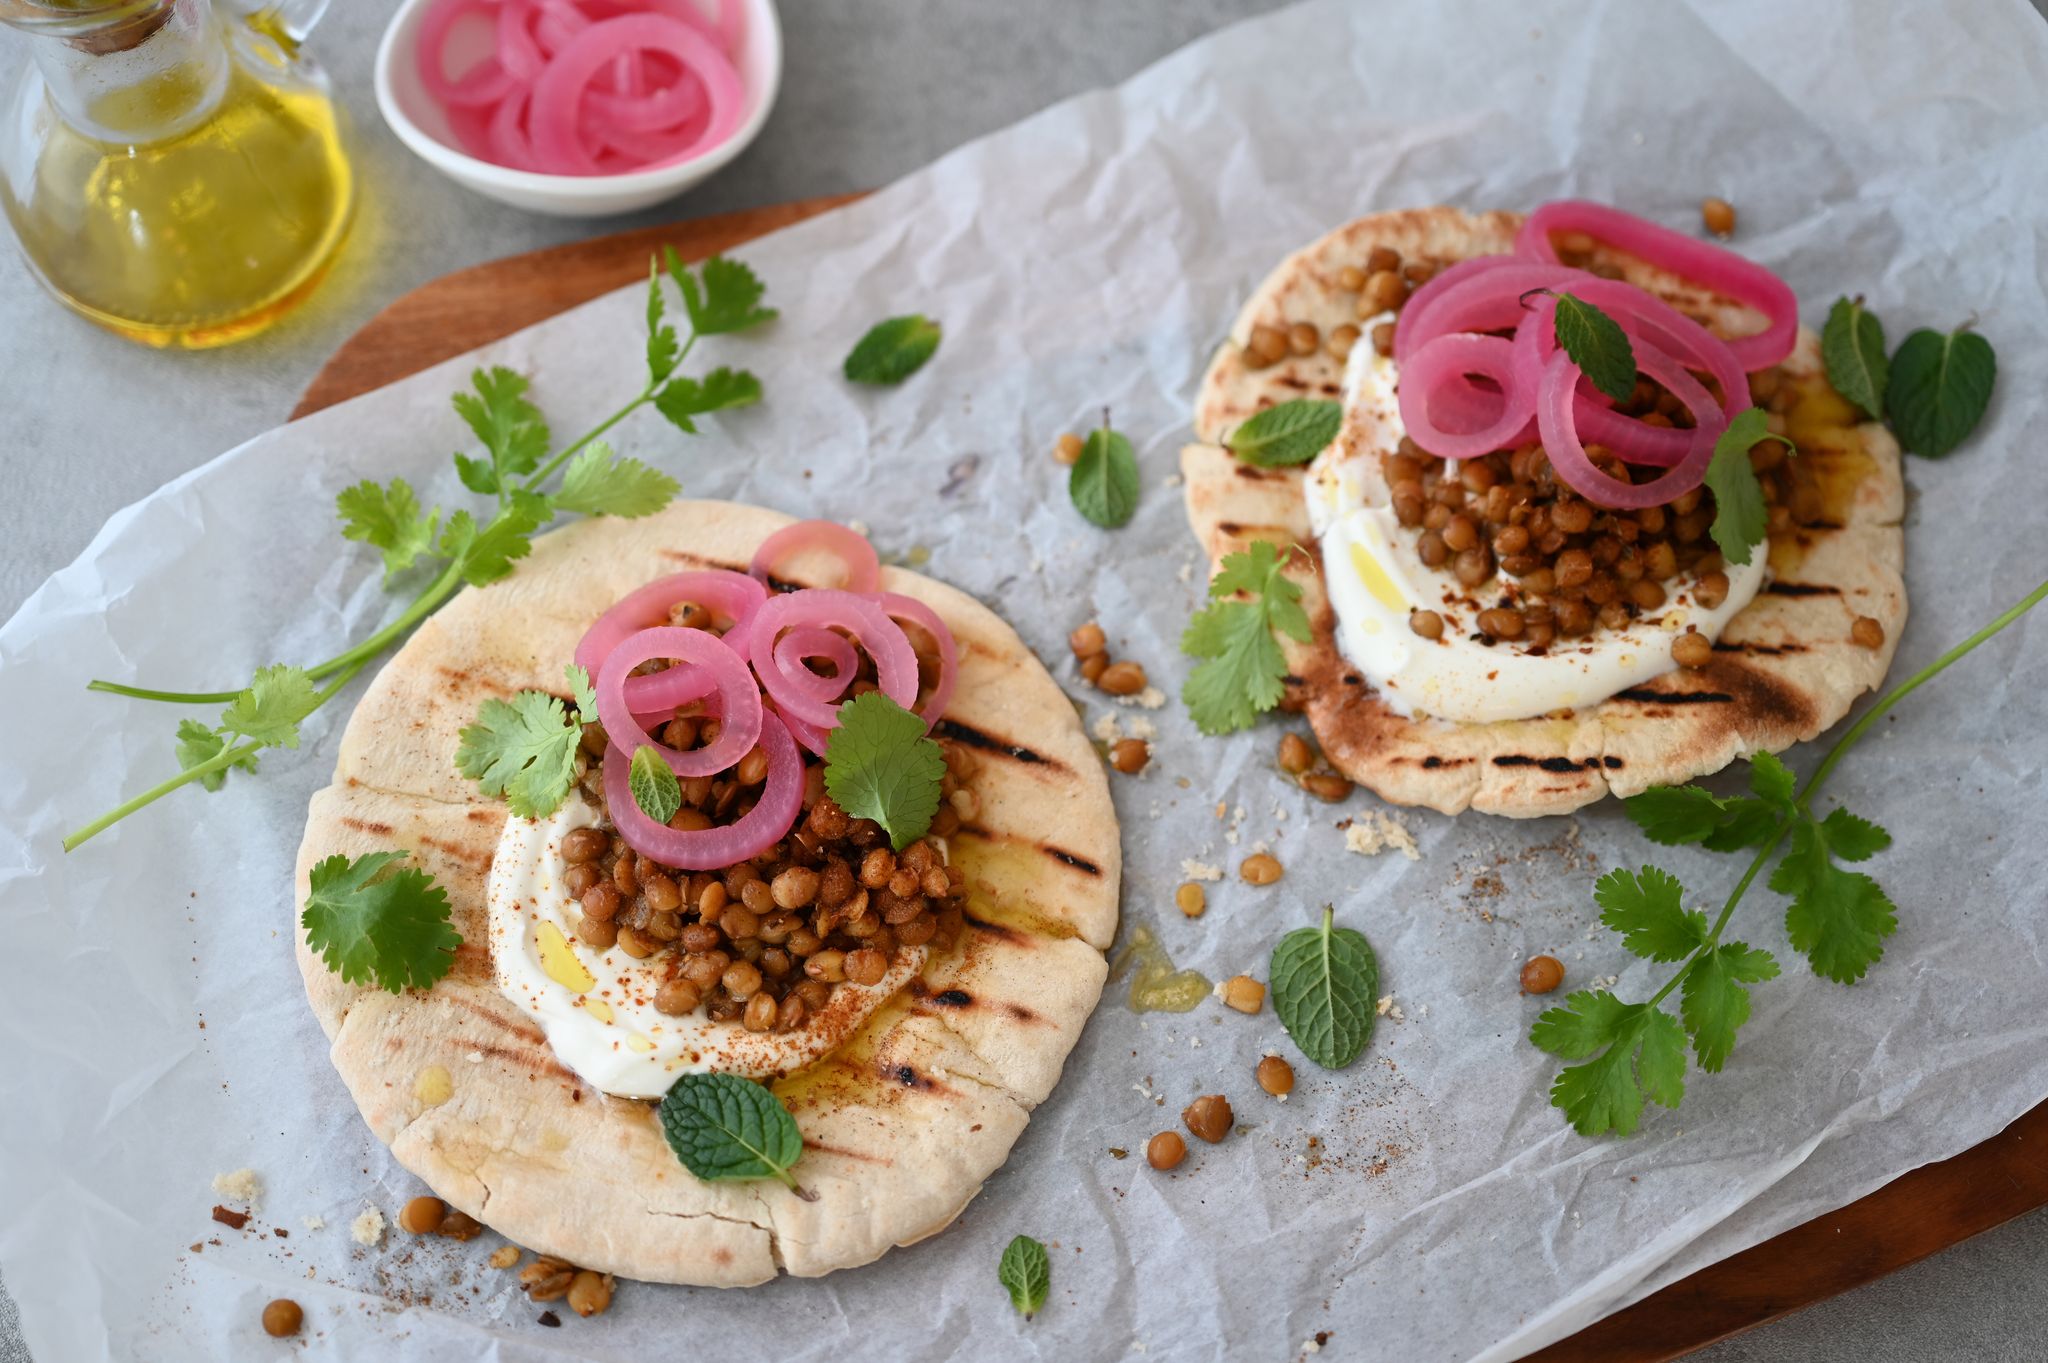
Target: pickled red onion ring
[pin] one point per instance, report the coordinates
(901, 607)
(734, 595)
(760, 828)
(518, 52)
(863, 569)
(1450, 358)
(895, 663)
(811, 641)
(560, 87)
(810, 735)
(1414, 314)
(1556, 419)
(1629, 437)
(646, 111)
(1700, 262)
(738, 694)
(485, 82)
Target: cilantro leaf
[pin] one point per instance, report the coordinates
(269, 711)
(1852, 347)
(600, 483)
(1940, 386)
(728, 300)
(893, 350)
(487, 554)
(523, 749)
(663, 350)
(389, 519)
(1676, 815)
(879, 765)
(1853, 837)
(1740, 516)
(1291, 432)
(1713, 1003)
(1103, 483)
(685, 397)
(1597, 345)
(654, 785)
(1245, 669)
(1772, 780)
(1648, 911)
(1026, 1274)
(1324, 979)
(198, 744)
(510, 427)
(585, 696)
(1641, 1044)
(1838, 918)
(725, 1128)
(371, 922)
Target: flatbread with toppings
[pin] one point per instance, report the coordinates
(1525, 652)
(910, 1067)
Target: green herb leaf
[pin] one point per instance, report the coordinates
(725, 1128)
(728, 300)
(198, 744)
(1852, 347)
(389, 519)
(585, 696)
(1597, 345)
(1026, 1274)
(1649, 912)
(1838, 918)
(664, 352)
(1853, 837)
(879, 765)
(1740, 516)
(1677, 815)
(600, 483)
(654, 786)
(893, 350)
(1292, 432)
(270, 710)
(1245, 671)
(1640, 1043)
(1772, 781)
(369, 921)
(523, 749)
(1104, 481)
(721, 389)
(1324, 980)
(1940, 386)
(487, 555)
(510, 427)
(1714, 1005)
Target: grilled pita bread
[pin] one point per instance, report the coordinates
(901, 1124)
(1784, 670)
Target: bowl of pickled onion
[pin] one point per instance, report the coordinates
(579, 108)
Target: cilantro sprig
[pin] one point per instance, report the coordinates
(372, 922)
(1838, 919)
(525, 749)
(880, 765)
(479, 545)
(1244, 672)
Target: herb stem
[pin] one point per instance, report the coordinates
(646, 396)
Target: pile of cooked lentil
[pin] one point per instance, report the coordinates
(766, 942)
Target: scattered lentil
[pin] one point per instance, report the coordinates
(1129, 755)
(1718, 216)
(1541, 974)
(1260, 868)
(1067, 448)
(1191, 899)
(1275, 1075)
(1209, 1117)
(1244, 993)
(1166, 1150)
(283, 1318)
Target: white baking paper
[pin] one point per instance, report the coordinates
(153, 1025)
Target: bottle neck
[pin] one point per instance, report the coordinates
(150, 76)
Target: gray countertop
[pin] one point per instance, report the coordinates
(872, 89)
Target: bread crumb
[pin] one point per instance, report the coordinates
(368, 1227)
(313, 1222)
(1144, 728)
(1374, 832)
(1151, 698)
(1107, 727)
(241, 1185)
(1195, 870)
(504, 1256)
(1171, 480)
(1387, 1008)
(1187, 570)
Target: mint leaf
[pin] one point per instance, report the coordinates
(198, 745)
(1838, 919)
(724, 1128)
(1026, 1274)
(1244, 672)
(370, 922)
(1852, 347)
(523, 749)
(270, 710)
(1292, 432)
(1103, 483)
(683, 398)
(654, 786)
(1648, 911)
(1644, 1053)
(663, 350)
(1324, 980)
(510, 427)
(1740, 516)
(1597, 345)
(389, 519)
(1713, 1003)
(1940, 386)
(728, 300)
(879, 765)
(893, 350)
(600, 483)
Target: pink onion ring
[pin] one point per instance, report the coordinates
(1556, 419)
(863, 569)
(484, 83)
(1409, 322)
(1702, 263)
(895, 663)
(1447, 359)
(810, 735)
(653, 110)
(738, 695)
(560, 86)
(1636, 443)
(759, 829)
(901, 607)
(518, 53)
(811, 641)
(734, 595)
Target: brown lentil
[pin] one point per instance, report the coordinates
(1427, 624)
(1209, 1117)
(1268, 345)
(589, 1292)
(1093, 666)
(1244, 993)
(461, 1226)
(1129, 755)
(1122, 679)
(1718, 216)
(283, 1318)
(1867, 632)
(1692, 649)
(1275, 1075)
(1327, 786)
(1067, 448)
(1541, 974)
(1088, 640)
(1191, 899)
(1166, 1150)
(584, 844)
(1342, 338)
(1350, 278)
(1296, 756)
(1383, 337)
(1303, 339)
(1260, 868)
(422, 1215)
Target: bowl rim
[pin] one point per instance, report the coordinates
(454, 161)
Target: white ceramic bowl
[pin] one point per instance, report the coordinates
(422, 125)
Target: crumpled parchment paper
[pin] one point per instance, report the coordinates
(153, 1025)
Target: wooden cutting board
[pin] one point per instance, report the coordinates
(1908, 1219)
